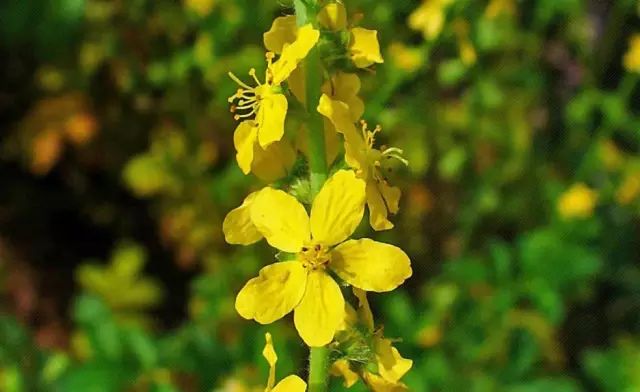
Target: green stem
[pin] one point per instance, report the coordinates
(306, 13)
(318, 369)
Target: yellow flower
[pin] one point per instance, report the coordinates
(631, 59)
(429, 18)
(391, 366)
(465, 47)
(290, 383)
(368, 162)
(269, 163)
(577, 202)
(496, 8)
(266, 102)
(363, 47)
(319, 242)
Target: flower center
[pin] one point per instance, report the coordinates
(314, 256)
(247, 98)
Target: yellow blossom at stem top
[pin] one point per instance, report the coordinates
(369, 163)
(391, 366)
(290, 383)
(631, 59)
(319, 242)
(429, 17)
(577, 202)
(266, 102)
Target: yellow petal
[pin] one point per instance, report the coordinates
(364, 47)
(283, 31)
(338, 113)
(291, 383)
(345, 87)
(338, 208)
(379, 384)
(293, 53)
(377, 208)
(321, 310)
(391, 195)
(391, 365)
(333, 17)
(271, 116)
(297, 84)
(269, 353)
(244, 139)
(341, 368)
(364, 310)
(281, 219)
(273, 293)
(238, 228)
(370, 265)
(274, 162)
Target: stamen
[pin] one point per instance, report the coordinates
(252, 73)
(240, 82)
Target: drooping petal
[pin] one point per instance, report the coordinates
(338, 113)
(370, 265)
(283, 31)
(321, 310)
(345, 87)
(333, 17)
(298, 84)
(244, 139)
(270, 118)
(364, 310)
(269, 353)
(364, 47)
(291, 383)
(377, 208)
(391, 365)
(293, 53)
(338, 208)
(274, 162)
(379, 384)
(391, 195)
(237, 226)
(273, 293)
(281, 219)
(341, 368)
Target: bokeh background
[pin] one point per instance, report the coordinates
(520, 207)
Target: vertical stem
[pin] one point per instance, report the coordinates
(306, 13)
(318, 369)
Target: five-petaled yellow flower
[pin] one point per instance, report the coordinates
(367, 161)
(320, 243)
(290, 383)
(266, 103)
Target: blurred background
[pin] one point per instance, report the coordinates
(520, 207)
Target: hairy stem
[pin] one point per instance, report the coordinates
(318, 369)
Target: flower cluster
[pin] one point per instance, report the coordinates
(317, 259)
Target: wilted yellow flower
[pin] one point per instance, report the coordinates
(266, 102)
(629, 190)
(577, 202)
(631, 59)
(429, 17)
(319, 241)
(46, 149)
(368, 162)
(290, 383)
(391, 366)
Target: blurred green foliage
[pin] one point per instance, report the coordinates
(520, 212)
